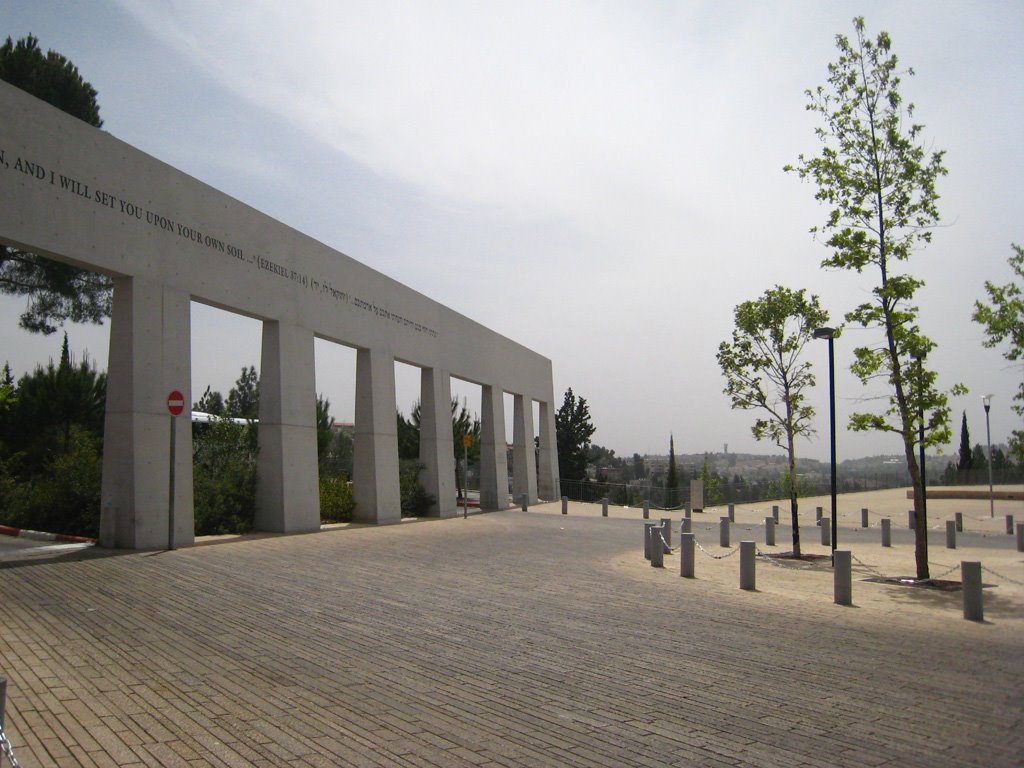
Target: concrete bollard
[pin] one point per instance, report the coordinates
(817, 514)
(959, 522)
(775, 512)
(911, 519)
(3, 698)
(686, 509)
(657, 549)
(864, 517)
(842, 577)
(1009, 525)
(666, 530)
(525, 502)
(951, 534)
(686, 555)
(565, 505)
(1020, 537)
(732, 513)
(647, 509)
(886, 532)
(826, 532)
(769, 531)
(648, 527)
(686, 525)
(723, 531)
(970, 577)
(747, 576)
(604, 507)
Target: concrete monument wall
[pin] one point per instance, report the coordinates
(77, 194)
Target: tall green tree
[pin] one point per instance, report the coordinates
(965, 460)
(1003, 319)
(56, 292)
(243, 400)
(672, 477)
(573, 430)
(877, 177)
(764, 372)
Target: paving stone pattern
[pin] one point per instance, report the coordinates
(502, 640)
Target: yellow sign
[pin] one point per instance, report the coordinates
(467, 441)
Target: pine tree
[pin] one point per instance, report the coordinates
(966, 462)
(672, 481)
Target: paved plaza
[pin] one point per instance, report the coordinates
(514, 639)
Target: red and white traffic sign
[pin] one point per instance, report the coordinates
(175, 402)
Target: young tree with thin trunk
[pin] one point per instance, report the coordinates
(763, 371)
(877, 178)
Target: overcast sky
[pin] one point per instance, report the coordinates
(599, 181)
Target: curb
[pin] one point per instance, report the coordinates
(7, 530)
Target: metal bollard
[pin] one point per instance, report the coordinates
(666, 530)
(723, 531)
(1009, 525)
(864, 517)
(886, 532)
(732, 513)
(525, 502)
(686, 525)
(657, 549)
(1020, 537)
(951, 534)
(842, 577)
(747, 575)
(769, 531)
(775, 512)
(817, 514)
(565, 505)
(648, 527)
(647, 509)
(959, 522)
(970, 577)
(686, 555)
(826, 532)
(604, 507)
(911, 519)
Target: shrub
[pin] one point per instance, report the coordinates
(336, 500)
(224, 479)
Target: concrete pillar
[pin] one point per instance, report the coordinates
(950, 534)
(375, 460)
(817, 514)
(747, 574)
(524, 503)
(548, 485)
(150, 347)
(1020, 537)
(604, 507)
(437, 445)
(647, 509)
(775, 512)
(723, 531)
(686, 555)
(565, 505)
(732, 513)
(666, 530)
(842, 577)
(524, 458)
(657, 548)
(970, 578)
(959, 522)
(864, 517)
(493, 454)
(287, 479)
(886, 532)
(648, 528)
(826, 532)
(687, 509)
(686, 525)
(911, 519)
(1009, 525)
(769, 531)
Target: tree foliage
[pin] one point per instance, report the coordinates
(965, 461)
(672, 477)
(1003, 319)
(573, 430)
(764, 372)
(56, 292)
(878, 180)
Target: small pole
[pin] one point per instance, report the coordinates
(170, 492)
(732, 513)
(817, 514)
(525, 502)
(648, 527)
(723, 531)
(3, 698)
(775, 512)
(565, 505)
(666, 530)
(864, 517)
(1020, 537)
(686, 509)
(657, 549)
(842, 578)
(959, 522)
(686, 555)
(826, 531)
(911, 519)
(1009, 525)
(970, 577)
(950, 534)
(604, 507)
(647, 509)
(747, 574)
(886, 532)
(685, 525)
(769, 531)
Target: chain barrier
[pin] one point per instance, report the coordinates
(731, 552)
(1000, 576)
(6, 750)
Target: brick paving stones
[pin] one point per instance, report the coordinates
(508, 639)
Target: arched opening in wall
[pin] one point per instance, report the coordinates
(225, 372)
(466, 399)
(335, 386)
(52, 408)
(416, 500)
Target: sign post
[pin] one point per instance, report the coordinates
(467, 440)
(175, 405)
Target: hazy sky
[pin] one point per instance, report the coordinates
(600, 181)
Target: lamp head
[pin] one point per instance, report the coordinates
(824, 333)
(986, 400)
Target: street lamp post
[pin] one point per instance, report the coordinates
(987, 402)
(829, 333)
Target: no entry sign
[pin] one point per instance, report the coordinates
(175, 402)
